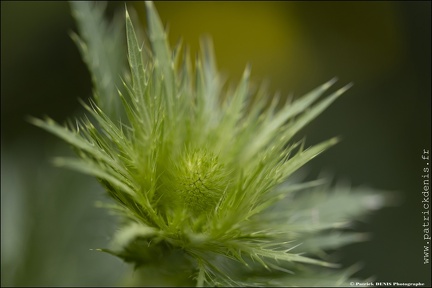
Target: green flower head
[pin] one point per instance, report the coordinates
(198, 170)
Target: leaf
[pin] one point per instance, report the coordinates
(163, 61)
(135, 61)
(94, 170)
(102, 49)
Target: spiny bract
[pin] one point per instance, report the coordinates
(197, 170)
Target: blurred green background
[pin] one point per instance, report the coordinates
(48, 219)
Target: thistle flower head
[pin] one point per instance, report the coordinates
(197, 170)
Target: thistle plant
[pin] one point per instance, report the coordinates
(199, 171)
